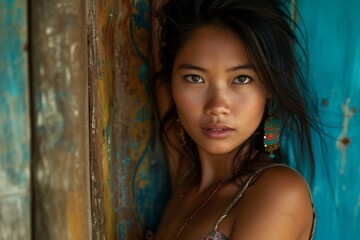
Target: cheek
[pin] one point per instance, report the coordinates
(258, 112)
(186, 104)
(178, 95)
(252, 109)
(184, 97)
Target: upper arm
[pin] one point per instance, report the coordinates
(278, 207)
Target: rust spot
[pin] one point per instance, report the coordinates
(25, 47)
(353, 110)
(345, 141)
(325, 102)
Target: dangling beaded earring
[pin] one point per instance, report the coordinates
(271, 135)
(180, 133)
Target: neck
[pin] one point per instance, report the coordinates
(214, 169)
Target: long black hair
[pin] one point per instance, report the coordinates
(268, 33)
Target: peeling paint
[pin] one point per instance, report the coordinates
(119, 66)
(343, 140)
(325, 102)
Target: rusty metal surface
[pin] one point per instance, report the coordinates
(61, 204)
(14, 123)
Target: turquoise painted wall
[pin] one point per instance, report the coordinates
(333, 31)
(14, 122)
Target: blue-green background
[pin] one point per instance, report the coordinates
(333, 31)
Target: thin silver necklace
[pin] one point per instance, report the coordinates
(198, 210)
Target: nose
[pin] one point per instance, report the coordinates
(218, 102)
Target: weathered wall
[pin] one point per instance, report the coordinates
(100, 51)
(127, 176)
(103, 47)
(333, 30)
(61, 206)
(14, 122)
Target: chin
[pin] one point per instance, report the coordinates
(218, 150)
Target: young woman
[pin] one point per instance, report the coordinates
(228, 87)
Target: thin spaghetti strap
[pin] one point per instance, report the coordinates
(244, 188)
(312, 231)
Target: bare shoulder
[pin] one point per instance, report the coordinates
(276, 206)
(281, 183)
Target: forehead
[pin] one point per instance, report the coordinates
(209, 44)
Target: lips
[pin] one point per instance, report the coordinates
(216, 131)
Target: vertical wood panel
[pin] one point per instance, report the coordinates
(14, 123)
(334, 47)
(60, 126)
(128, 175)
(100, 38)
(141, 170)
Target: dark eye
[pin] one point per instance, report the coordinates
(194, 79)
(242, 79)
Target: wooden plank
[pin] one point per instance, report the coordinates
(14, 123)
(333, 36)
(60, 126)
(128, 176)
(140, 167)
(100, 51)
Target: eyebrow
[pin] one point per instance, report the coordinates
(188, 66)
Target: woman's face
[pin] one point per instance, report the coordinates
(219, 98)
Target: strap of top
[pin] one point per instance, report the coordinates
(244, 188)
